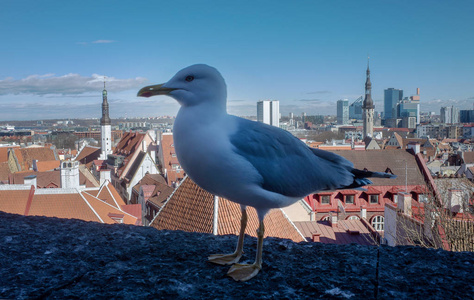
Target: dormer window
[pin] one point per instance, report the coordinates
(349, 199)
(325, 199)
(373, 199)
(117, 220)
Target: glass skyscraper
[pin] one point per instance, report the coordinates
(391, 98)
(343, 112)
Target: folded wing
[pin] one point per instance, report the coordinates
(286, 164)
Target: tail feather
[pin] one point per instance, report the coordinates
(365, 174)
(361, 178)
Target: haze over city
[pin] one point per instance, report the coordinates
(306, 54)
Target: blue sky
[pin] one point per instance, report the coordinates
(307, 54)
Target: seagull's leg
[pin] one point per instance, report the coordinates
(228, 259)
(243, 272)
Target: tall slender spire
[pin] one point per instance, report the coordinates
(368, 107)
(105, 120)
(368, 102)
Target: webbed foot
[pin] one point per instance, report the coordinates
(243, 272)
(225, 259)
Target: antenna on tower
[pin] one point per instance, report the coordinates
(104, 81)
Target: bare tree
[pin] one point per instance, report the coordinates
(442, 218)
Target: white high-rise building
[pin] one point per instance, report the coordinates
(268, 112)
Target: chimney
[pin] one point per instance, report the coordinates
(417, 91)
(104, 176)
(454, 203)
(35, 165)
(404, 203)
(316, 237)
(30, 180)
(69, 174)
(144, 145)
(333, 219)
(415, 147)
(363, 213)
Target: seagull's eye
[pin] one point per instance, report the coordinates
(189, 78)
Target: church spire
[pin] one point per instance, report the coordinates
(368, 102)
(105, 120)
(368, 108)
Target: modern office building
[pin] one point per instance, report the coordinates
(391, 99)
(343, 111)
(449, 115)
(466, 116)
(409, 110)
(355, 109)
(268, 112)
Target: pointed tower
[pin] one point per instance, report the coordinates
(105, 128)
(368, 107)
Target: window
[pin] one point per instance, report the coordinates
(423, 198)
(326, 199)
(349, 199)
(353, 218)
(374, 199)
(377, 223)
(325, 218)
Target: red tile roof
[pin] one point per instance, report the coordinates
(129, 142)
(46, 179)
(68, 206)
(468, 157)
(110, 195)
(88, 154)
(345, 232)
(380, 160)
(4, 153)
(14, 202)
(49, 203)
(4, 171)
(160, 191)
(25, 156)
(168, 151)
(47, 165)
(191, 209)
(134, 210)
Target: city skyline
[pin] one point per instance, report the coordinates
(307, 55)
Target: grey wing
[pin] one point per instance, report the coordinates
(286, 164)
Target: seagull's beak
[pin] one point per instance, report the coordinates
(153, 90)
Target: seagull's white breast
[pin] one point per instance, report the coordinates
(205, 152)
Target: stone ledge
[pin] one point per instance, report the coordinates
(57, 259)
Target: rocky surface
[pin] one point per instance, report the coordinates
(48, 258)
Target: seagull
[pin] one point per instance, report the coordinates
(247, 162)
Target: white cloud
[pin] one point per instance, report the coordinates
(103, 42)
(69, 84)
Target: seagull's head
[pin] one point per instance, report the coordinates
(191, 86)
